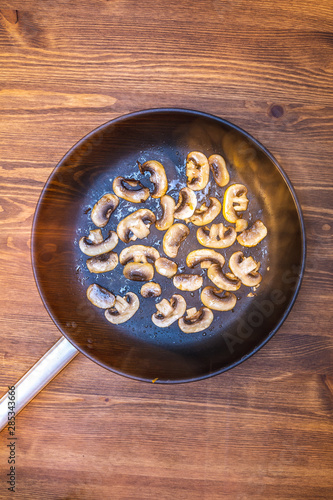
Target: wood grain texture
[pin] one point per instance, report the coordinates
(262, 430)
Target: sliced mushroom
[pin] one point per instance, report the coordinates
(197, 170)
(150, 290)
(102, 263)
(166, 267)
(157, 177)
(168, 312)
(205, 257)
(138, 253)
(218, 236)
(227, 281)
(205, 215)
(251, 237)
(168, 207)
(103, 209)
(123, 309)
(245, 268)
(173, 238)
(196, 321)
(241, 225)
(211, 297)
(130, 190)
(188, 282)
(136, 271)
(186, 205)
(219, 169)
(95, 245)
(136, 225)
(234, 201)
(100, 297)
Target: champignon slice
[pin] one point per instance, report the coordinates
(136, 225)
(234, 201)
(196, 321)
(102, 263)
(205, 257)
(173, 238)
(205, 215)
(95, 236)
(91, 247)
(168, 312)
(188, 282)
(100, 297)
(211, 297)
(166, 267)
(227, 281)
(197, 170)
(150, 290)
(218, 236)
(245, 268)
(219, 169)
(157, 177)
(138, 253)
(130, 190)
(168, 207)
(241, 225)
(252, 236)
(123, 309)
(103, 209)
(186, 205)
(136, 271)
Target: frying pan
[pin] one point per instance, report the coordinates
(137, 348)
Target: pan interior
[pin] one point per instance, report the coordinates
(138, 348)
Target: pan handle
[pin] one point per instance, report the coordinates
(53, 361)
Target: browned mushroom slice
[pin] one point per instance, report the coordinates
(219, 169)
(151, 290)
(123, 309)
(218, 236)
(218, 300)
(245, 268)
(234, 201)
(100, 297)
(95, 245)
(168, 207)
(241, 225)
(197, 170)
(130, 190)
(102, 263)
(135, 225)
(157, 177)
(188, 282)
(138, 253)
(103, 209)
(205, 257)
(173, 238)
(169, 312)
(136, 271)
(186, 205)
(166, 267)
(227, 281)
(196, 321)
(252, 236)
(205, 215)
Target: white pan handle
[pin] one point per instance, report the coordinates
(53, 361)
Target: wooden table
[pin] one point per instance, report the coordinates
(260, 431)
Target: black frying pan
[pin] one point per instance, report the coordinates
(139, 349)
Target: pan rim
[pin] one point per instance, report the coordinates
(252, 139)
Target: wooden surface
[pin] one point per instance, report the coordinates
(260, 431)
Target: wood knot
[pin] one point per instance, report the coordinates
(277, 111)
